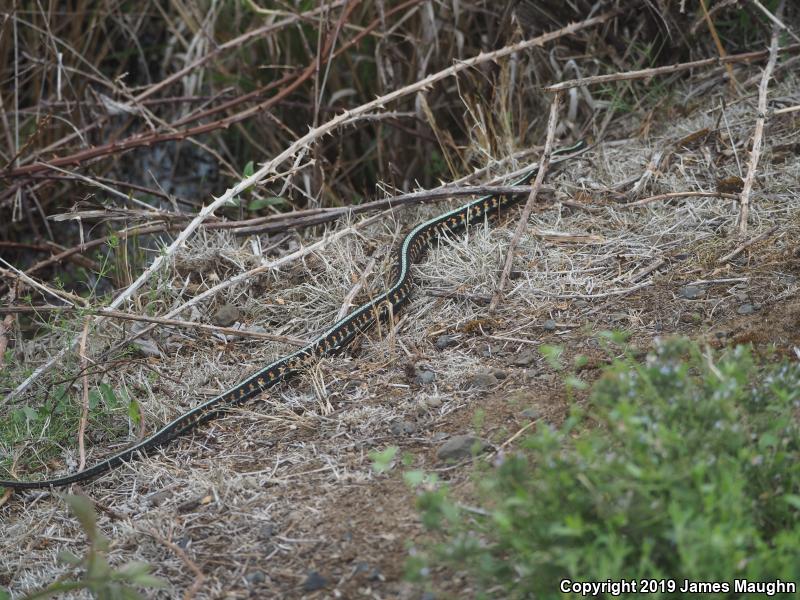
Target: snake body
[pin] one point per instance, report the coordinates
(331, 341)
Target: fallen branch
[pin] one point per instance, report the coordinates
(666, 70)
(116, 314)
(741, 248)
(758, 133)
(526, 212)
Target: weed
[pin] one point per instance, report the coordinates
(691, 474)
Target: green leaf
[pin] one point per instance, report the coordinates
(134, 568)
(30, 413)
(249, 169)
(553, 355)
(792, 500)
(94, 399)
(133, 411)
(68, 558)
(84, 512)
(414, 478)
(260, 203)
(109, 396)
(4, 595)
(151, 581)
(382, 459)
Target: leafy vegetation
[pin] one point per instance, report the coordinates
(686, 466)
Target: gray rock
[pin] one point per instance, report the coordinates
(482, 381)
(523, 359)
(549, 325)
(255, 577)
(424, 377)
(226, 315)
(461, 447)
(445, 341)
(315, 581)
(403, 428)
(691, 292)
(746, 309)
(530, 413)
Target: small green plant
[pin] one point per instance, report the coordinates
(689, 469)
(97, 576)
(53, 422)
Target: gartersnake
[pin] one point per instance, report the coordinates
(334, 339)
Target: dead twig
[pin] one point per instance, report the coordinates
(199, 578)
(526, 212)
(85, 398)
(758, 133)
(672, 195)
(666, 70)
(742, 247)
(116, 314)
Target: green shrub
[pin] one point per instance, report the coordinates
(685, 467)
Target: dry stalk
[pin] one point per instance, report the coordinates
(775, 19)
(718, 43)
(666, 70)
(85, 398)
(758, 133)
(742, 247)
(526, 212)
(672, 195)
(199, 578)
(116, 314)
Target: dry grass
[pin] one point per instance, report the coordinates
(284, 485)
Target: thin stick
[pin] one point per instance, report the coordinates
(85, 399)
(526, 213)
(348, 299)
(5, 328)
(671, 195)
(718, 43)
(741, 248)
(347, 117)
(666, 70)
(775, 20)
(116, 314)
(758, 133)
(199, 578)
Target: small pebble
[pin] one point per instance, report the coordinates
(549, 325)
(403, 428)
(255, 577)
(482, 381)
(433, 402)
(746, 309)
(445, 341)
(226, 315)
(461, 447)
(424, 377)
(691, 292)
(530, 413)
(314, 582)
(523, 359)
